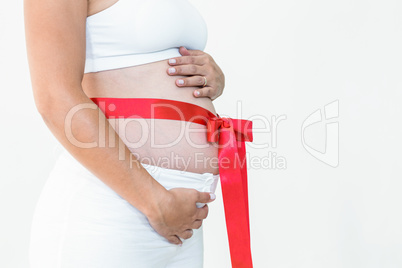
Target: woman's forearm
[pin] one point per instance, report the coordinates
(78, 123)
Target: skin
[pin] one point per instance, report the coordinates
(55, 36)
(156, 145)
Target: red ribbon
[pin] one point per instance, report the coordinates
(231, 135)
(233, 175)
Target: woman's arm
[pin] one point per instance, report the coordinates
(55, 36)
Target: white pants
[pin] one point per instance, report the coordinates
(80, 222)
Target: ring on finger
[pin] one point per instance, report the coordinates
(205, 81)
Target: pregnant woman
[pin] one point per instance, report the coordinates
(143, 144)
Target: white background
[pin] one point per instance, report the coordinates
(285, 58)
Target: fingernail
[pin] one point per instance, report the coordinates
(172, 60)
(213, 196)
(180, 81)
(172, 70)
(197, 93)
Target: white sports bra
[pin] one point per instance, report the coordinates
(134, 32)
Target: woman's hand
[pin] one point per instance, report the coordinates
(178, 213)
(196, 64)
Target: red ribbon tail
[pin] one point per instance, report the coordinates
(233, 174)
(243, 164)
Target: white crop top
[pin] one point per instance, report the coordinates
(134, 32)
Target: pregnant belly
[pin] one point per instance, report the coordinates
(167, 143)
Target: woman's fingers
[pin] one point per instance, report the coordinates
(197, 224)
(189, 69)
(178, 212)
(198, 81)
(197, 63)
(192, 52)
(190, 57)
(206, 92)
(186, 234)
(192, 81)
(197, 60)
(174, 239)
(202, 212)
(189, 232)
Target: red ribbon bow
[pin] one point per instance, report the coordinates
(231, 135)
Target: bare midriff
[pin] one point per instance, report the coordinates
(166, 143)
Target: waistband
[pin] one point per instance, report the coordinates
(231, 135)
(168, 178)
(159, 173)
(182, 173)
(172, 178)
